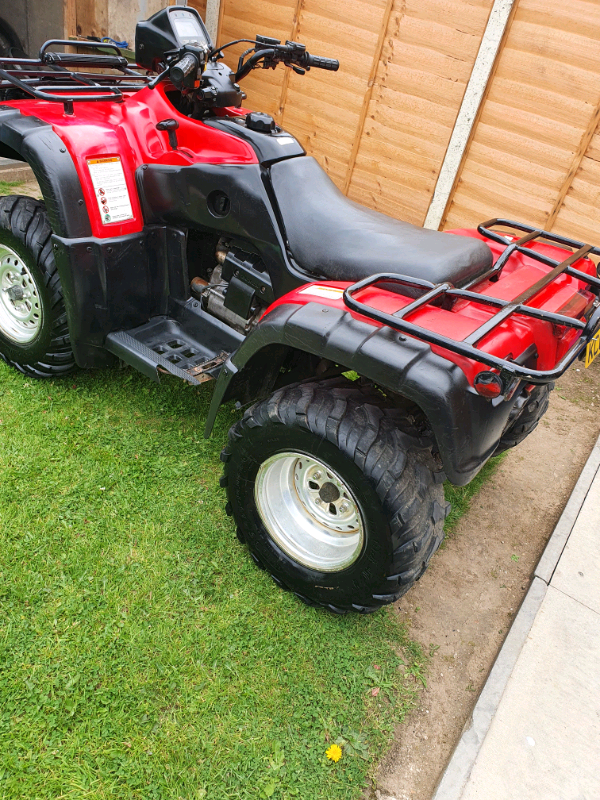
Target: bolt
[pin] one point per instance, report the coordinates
(318, 501)
(63, 150)
(89, 249)
(344, 507)
(317, 476)
(80, 202)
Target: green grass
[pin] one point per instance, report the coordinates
(8, 187)
(142, 653)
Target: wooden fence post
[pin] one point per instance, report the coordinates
(480, 75)
(213, 16)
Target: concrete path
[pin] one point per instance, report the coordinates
(11, 170)
(535, 731)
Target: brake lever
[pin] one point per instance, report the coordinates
(299, 70)
(158, 79)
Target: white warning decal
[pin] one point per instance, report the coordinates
(330, 292)
(110, 189)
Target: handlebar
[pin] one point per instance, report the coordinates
(292, 54)
(183, 68)
(320, 62)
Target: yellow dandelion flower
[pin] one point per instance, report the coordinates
(334, 753)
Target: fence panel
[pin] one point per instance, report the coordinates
(381, 125)
(430, 48)
(532, 153)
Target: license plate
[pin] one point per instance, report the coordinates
(592, 349)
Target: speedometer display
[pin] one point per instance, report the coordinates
(186, 28)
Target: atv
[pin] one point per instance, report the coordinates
(181, 233)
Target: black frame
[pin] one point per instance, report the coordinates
(468, 347)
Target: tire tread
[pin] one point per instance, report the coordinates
(390, 450)
(26, 219)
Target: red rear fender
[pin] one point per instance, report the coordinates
(127, 131)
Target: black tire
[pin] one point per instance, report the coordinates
(529, 410)
(24, 229)
(384, 460)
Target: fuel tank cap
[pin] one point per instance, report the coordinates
(260, 122)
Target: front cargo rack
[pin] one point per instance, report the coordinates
(47, 77)
(506, 308)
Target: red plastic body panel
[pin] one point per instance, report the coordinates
(510, 339)
(128, 130)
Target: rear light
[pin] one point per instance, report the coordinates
(488, 384)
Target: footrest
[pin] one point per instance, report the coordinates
(164, 346)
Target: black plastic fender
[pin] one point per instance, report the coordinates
(467, 427)
(34, 141)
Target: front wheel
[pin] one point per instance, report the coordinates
(335, 493)
(34, 335)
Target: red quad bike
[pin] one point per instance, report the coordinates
(183, 234)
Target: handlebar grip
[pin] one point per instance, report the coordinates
(185, 66)
(319, 62)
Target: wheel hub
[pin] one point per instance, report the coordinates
(329, 493)
(20, 304)
(309, 511)
(15, 293)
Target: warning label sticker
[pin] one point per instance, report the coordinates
(110, 189)
(330, 292)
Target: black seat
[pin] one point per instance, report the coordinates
(338, 239)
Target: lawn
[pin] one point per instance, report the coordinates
(142, 653)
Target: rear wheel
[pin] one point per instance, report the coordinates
(529, 410)
(336, 494)
(34, 335)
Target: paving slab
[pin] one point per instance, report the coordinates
(578, 571)
(544, 741)
(554, 549)
(535, 729)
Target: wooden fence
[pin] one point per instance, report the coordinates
(534, 151)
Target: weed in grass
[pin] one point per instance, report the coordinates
(142, 654)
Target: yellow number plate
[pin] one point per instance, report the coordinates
(592, 349)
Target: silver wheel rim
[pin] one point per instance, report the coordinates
(20, 304)
(309, 511)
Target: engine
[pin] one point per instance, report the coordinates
(234, 288)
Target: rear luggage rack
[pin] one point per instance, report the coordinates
(468, 347)
(47, 77)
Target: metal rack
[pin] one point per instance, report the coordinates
(437, 293)
(49, 78)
